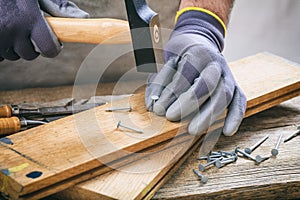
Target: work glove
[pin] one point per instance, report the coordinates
(24, 31)
(196, 80)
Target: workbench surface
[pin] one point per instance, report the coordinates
(275, 178)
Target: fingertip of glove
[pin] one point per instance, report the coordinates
(195, 130)
(172, 115)
(159, 110)
(229, 131)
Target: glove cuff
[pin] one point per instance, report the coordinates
(180, 12)
(196, 21)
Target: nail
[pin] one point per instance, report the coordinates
(213, 157)
(128, 127)
(221, 163)
(154, 99)
(214, 153)
(238, 150)
(225, 153)
(202, 158)
(275, 151)
(261, 159)
(129, 108)
(203, 178)
(251, 149)
(293, 135)
(202, 167)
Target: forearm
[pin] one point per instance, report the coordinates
(221, 8)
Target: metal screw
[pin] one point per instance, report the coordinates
(127, 127)
(274, 151)
(203, 178)
(202, 167)
(129, 108)
(293, 135)
(251, 149)
(238, 150)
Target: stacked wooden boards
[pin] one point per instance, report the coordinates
(65, 157)
(271, 80)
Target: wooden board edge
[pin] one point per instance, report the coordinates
(176, 166)
(68, 183)
(271, 103)
(273, 95)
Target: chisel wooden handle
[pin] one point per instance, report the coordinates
(92, 31)
(5, 111)
(9, 126)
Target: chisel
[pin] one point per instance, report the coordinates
(14, 124)
(14, 110)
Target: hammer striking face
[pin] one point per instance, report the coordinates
(146, 36)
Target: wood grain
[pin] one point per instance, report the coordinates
(70, 147)
(277, 178)
(66, 157)
(280, 70)
(91, 31)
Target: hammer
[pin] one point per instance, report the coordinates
(144, 28)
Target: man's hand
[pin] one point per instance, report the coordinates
(196, 80)
(24, 31)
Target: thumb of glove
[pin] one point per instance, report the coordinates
(62, 8)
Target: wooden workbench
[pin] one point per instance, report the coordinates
(276, 178)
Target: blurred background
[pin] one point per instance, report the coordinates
(255, 26)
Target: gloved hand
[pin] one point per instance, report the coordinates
(24, 31)
(196, 80)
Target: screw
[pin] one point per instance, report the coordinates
(203, 178)
(293, 135)
(238, 150)
(251, 149)
(274, 151)
(129, 108)
(202, 167)
(127, 127)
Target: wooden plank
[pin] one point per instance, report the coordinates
(134, 181)
(277, 178)
(64, 159)
(60, 152)
(106, 186)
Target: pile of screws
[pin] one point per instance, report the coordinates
(222, 158)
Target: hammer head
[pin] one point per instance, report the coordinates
(146, 35)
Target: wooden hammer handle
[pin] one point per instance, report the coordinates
(9, 126)
(5, 111)
(92, 31)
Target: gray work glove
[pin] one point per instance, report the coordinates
(24, 31)
(196, 80)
